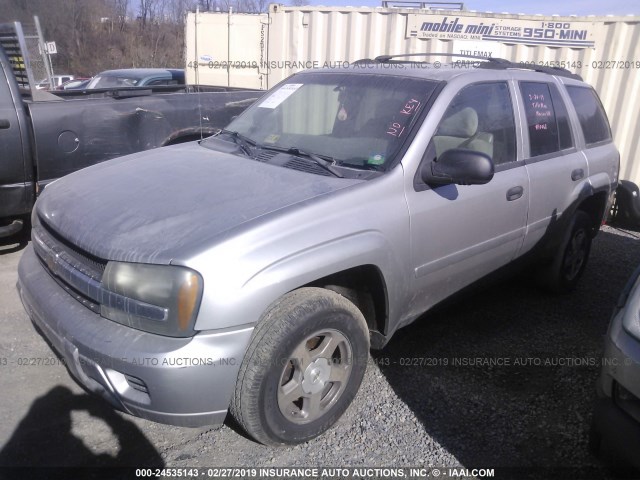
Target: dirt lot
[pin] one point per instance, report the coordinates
(426, 399)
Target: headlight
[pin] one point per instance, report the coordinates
(161, 299)
(630, 301)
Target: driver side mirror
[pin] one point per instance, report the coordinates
(459, 166)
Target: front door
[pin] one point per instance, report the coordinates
(460, 233)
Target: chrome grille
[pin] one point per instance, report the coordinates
(80, 274)
(79, 281)
(86, 263)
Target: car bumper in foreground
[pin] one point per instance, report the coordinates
(178, 381)
(616, 419)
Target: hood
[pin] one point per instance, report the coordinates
(156, 205)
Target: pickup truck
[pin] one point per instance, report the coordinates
(44, 136)
(56, 80)
(253, 270)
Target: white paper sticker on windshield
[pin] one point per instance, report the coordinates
(280, 95)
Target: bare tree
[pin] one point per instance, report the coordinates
(97, 35)
(120, 13)
(178, 9)
(145, 11)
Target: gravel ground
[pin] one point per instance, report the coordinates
(428, 399)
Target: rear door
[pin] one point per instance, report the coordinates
(558, 171)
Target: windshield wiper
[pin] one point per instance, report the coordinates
(245, 143)
(326, 163)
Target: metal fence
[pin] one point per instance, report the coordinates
(39, 62)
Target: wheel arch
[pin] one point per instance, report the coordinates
(361, 267)
(365, 287)
(595, 206)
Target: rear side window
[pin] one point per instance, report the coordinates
(562, 116)
(548, 125)
(593, 120)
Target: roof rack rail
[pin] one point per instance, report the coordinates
(391, 58)
(492, 63)
(503, 64)
(423, 5)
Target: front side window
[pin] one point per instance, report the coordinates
(479, 118)
(356, 120)
(591, 115)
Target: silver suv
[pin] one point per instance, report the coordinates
(253, 270)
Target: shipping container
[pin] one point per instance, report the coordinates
(260, 50)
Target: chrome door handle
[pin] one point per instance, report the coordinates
(577, 174)
(514, 193)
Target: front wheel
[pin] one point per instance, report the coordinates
(303, 367)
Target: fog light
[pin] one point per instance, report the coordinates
(627, 401)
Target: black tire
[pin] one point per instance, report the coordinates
(595, 441)
(312, 342)
(567, 267)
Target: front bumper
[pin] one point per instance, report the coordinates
(178, 381)
(617, 429)
(618, 435)
(621, 358)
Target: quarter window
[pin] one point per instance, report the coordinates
(591, 115)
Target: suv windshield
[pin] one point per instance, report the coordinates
(353, 120)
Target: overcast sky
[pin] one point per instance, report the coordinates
(545, 7)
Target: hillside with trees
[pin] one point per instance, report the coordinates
(96, 35)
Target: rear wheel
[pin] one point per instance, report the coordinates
(303, 367)
(563, 274)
